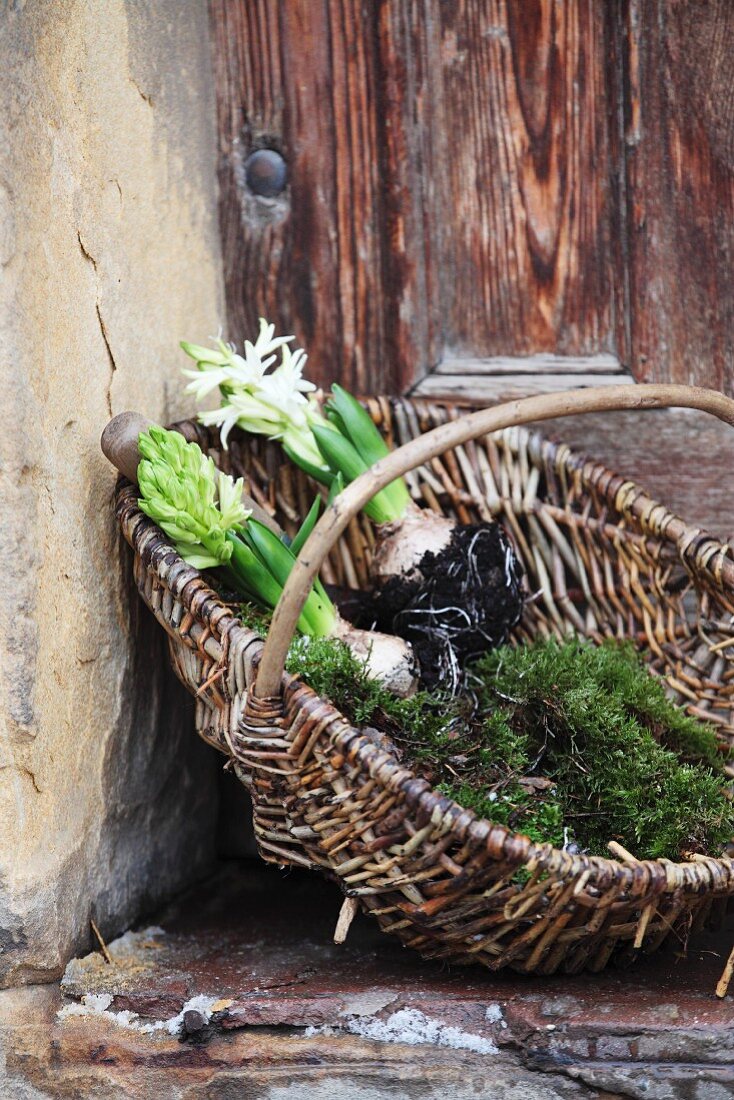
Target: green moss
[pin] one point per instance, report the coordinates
(628, 764)
(540, 818)
(330, 669)
(562, 742)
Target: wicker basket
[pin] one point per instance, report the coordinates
(606, 560)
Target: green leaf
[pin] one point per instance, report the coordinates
(345, 411)
(341, 455)
(252, 574)
(321, 591)
(318, 614)
(344, 459)
(396, 493)
(358, 425)
(333, 417)
(337, 488)
(306, 527)
(278, 558)
(318, 473)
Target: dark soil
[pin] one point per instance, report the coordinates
(458, 604)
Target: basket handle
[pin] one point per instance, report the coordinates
(336, 518)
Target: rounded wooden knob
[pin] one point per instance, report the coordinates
(119, 442)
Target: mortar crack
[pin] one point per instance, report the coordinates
(143, 95)
(100, 319)
(33, 780)
(23, 770)
(110, 356)
(85, 251)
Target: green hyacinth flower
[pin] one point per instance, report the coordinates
(184, 493)
(201, 510)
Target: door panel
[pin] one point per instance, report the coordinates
(449, 179)
(526, 199)
(299, 77)
(679, 131)
(477, 181)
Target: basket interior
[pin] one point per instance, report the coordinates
(601, 559)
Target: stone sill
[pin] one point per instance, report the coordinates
(257, 942)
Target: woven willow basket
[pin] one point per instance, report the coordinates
(601, 558)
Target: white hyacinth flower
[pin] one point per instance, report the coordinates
(224, 368)
(285, 389)
(270, 402)
(229, 493)
(203, 381)
(267, 342)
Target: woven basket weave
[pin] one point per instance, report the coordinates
(605, 561)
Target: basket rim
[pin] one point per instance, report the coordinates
(695, 546)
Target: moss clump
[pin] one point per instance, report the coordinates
(563, 742)
(627, 763)
(421, 722)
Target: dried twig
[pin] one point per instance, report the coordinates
(102, 944)
(347, 913)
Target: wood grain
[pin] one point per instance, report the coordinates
(482, 178)
(448, 179)
(348, 258)
(492, 388)
(544, 363)
(413, 143)
(527, 254)
(299, 77)
(679, 103)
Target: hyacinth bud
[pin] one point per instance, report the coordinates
(184, 493)
(214, 357)
(201, 510)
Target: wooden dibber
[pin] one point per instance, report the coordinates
(119, 444)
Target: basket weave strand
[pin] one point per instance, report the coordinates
(605, 561)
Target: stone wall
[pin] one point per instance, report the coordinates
(109, 253)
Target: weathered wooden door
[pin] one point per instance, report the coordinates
(482, 196)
